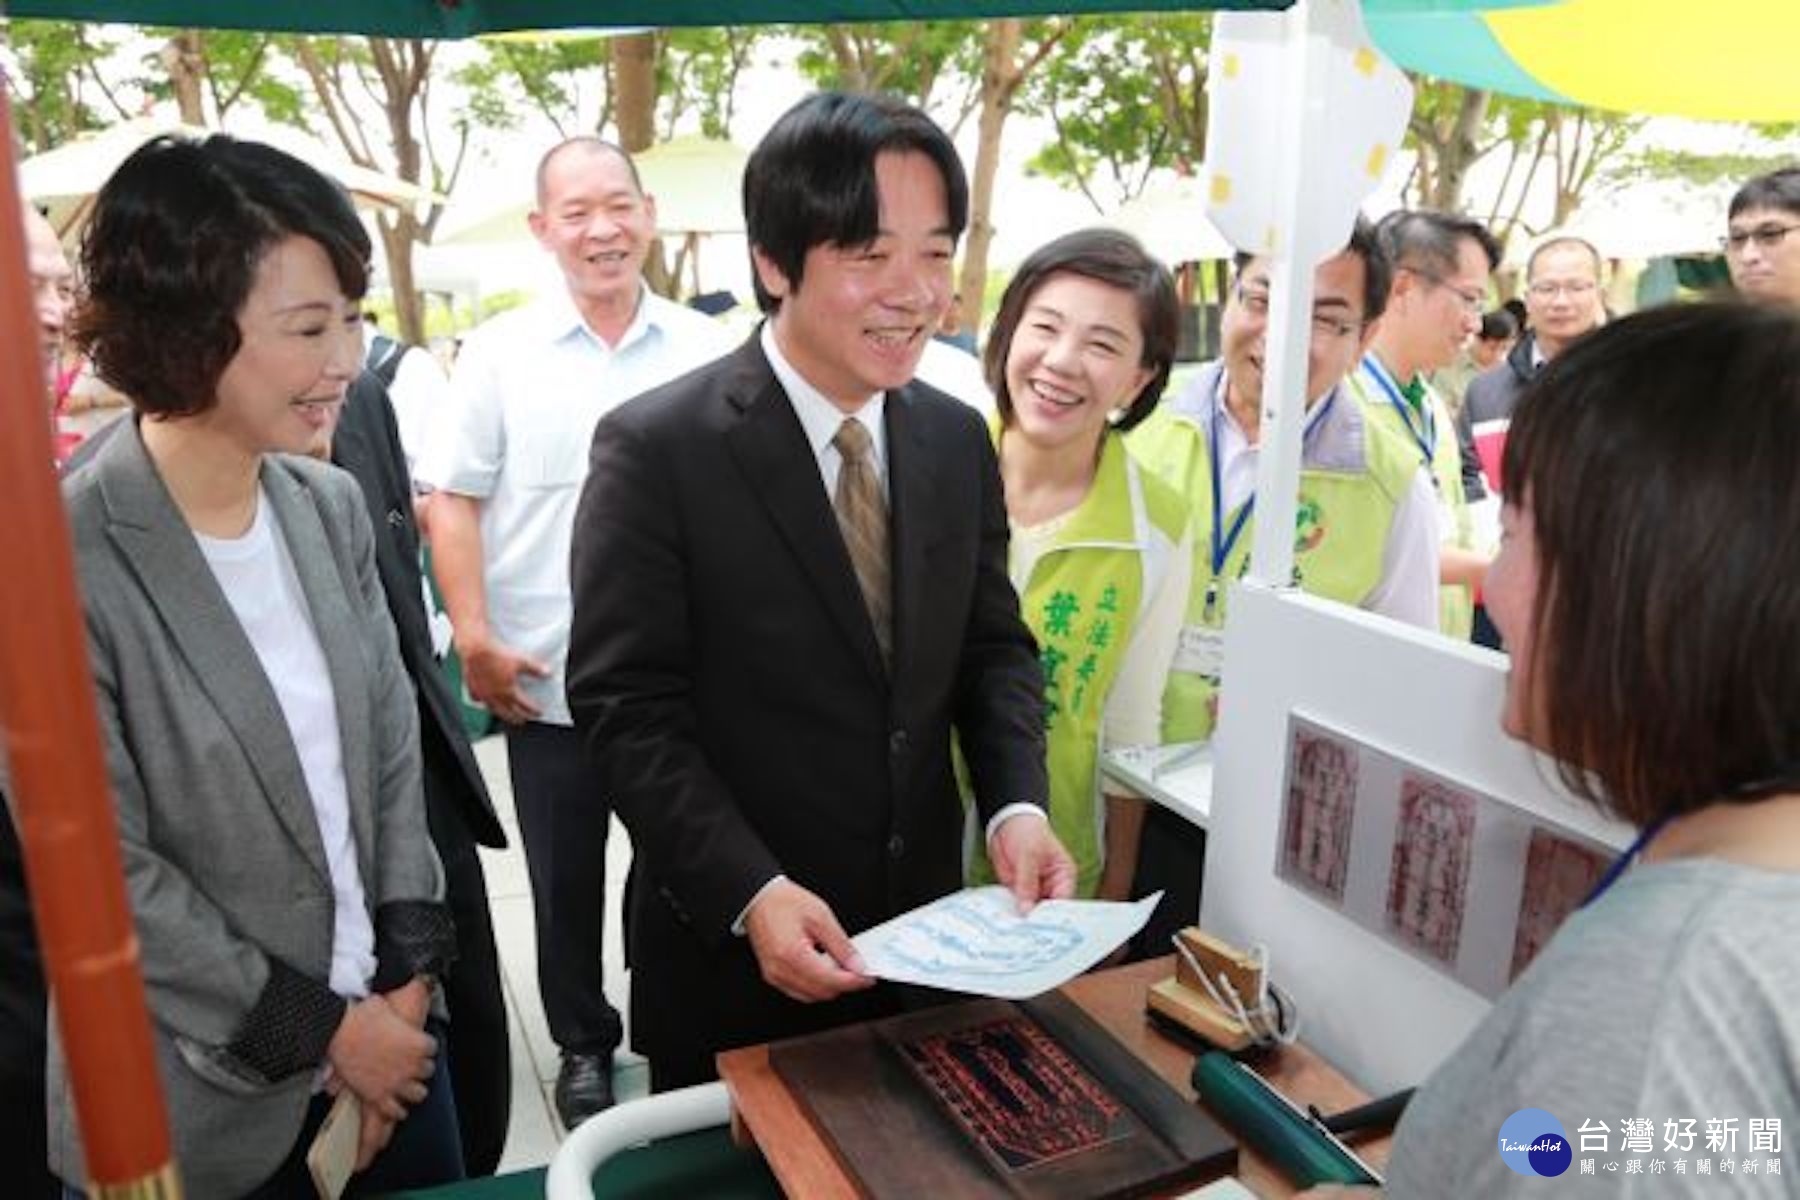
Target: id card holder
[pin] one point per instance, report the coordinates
(1201, 651)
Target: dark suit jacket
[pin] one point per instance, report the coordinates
(725, 677)
(367, 444)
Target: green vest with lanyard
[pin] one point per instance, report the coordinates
(1342, 517)
(1083, 601)
(1415, 417)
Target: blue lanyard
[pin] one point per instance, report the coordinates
(1223, 545)
(1625, 860)
(1423, 431)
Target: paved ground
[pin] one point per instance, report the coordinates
(535, 1131)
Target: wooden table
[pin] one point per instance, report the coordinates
(767, 1115)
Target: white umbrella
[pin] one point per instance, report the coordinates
(65, 179)
(697, 183)
(1170, 219)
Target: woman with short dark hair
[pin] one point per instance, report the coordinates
(260, 732)
(1646, 587)
(1080, 352)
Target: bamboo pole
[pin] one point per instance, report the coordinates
(60, 796)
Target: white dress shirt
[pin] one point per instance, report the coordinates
(528, 388)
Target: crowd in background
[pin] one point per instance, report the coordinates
(832, 642)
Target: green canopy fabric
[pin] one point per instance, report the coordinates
(466, 18)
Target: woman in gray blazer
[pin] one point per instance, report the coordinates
(260, 735)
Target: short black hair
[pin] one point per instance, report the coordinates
(811, 181)
(1107, 256)
(1779, 190)
(1499, 326)
(1655, 457)
(172, 250)
(1424, 240)
(1378, 269)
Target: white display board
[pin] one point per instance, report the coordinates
(1417, 705)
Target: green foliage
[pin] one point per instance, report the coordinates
(910, 59)
(237, 66)
(515, 74)
(1127, 95)
(57, 92)
(698, 69)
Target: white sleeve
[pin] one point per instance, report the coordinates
(421, 394)
(1408, 590)
(1134, 709)
(465, 442)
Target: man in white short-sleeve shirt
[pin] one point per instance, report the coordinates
(508, 467)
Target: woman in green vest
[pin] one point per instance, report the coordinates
(1101, 557)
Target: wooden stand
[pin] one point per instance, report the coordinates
(767, 1115)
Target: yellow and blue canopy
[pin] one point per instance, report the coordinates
(1721, 61)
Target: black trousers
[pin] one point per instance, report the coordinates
(22, 1016)
(563, 819)
(480, 1056)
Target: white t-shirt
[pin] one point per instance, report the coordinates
(257, 575)
(528, 389)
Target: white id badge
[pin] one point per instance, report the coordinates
(1201, 651)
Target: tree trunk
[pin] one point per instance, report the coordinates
(1000, 78)
(1459, 150)
(398, 236)
(185, 58)
(634, 113)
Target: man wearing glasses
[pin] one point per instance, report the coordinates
(1367, 530)
(1763, 257)
(1441, 268)
(1562, 302)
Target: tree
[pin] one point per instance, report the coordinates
(209, 72)
(1097, 90)
(914, 60)
(395, 74)
(55, 84)
(1013, 49)
(1449, 131)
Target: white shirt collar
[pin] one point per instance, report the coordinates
(563, 319)
(819, 417)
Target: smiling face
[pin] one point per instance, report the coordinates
(52, 286)
(302, 345)
(1075, 357)
(1765, 263)
(860, 316)
(1338, 332)
(598, 225)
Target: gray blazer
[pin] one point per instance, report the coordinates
(223, 859)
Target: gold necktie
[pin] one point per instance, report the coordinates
(862, 518)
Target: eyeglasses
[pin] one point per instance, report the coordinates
(1766, 237)
(1544, 289)
(1472, 302)
(1325, 327)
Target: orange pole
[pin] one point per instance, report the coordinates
(59, 788)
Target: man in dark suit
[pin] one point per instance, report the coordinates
(789, 573)
(457, 807)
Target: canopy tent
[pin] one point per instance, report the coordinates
(50, 728)
(695, 180)
(1722, 62)
(65, 179)
(1169, 219)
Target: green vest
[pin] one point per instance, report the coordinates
(1344, 510)
(1082, 603)
(1456, 604)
